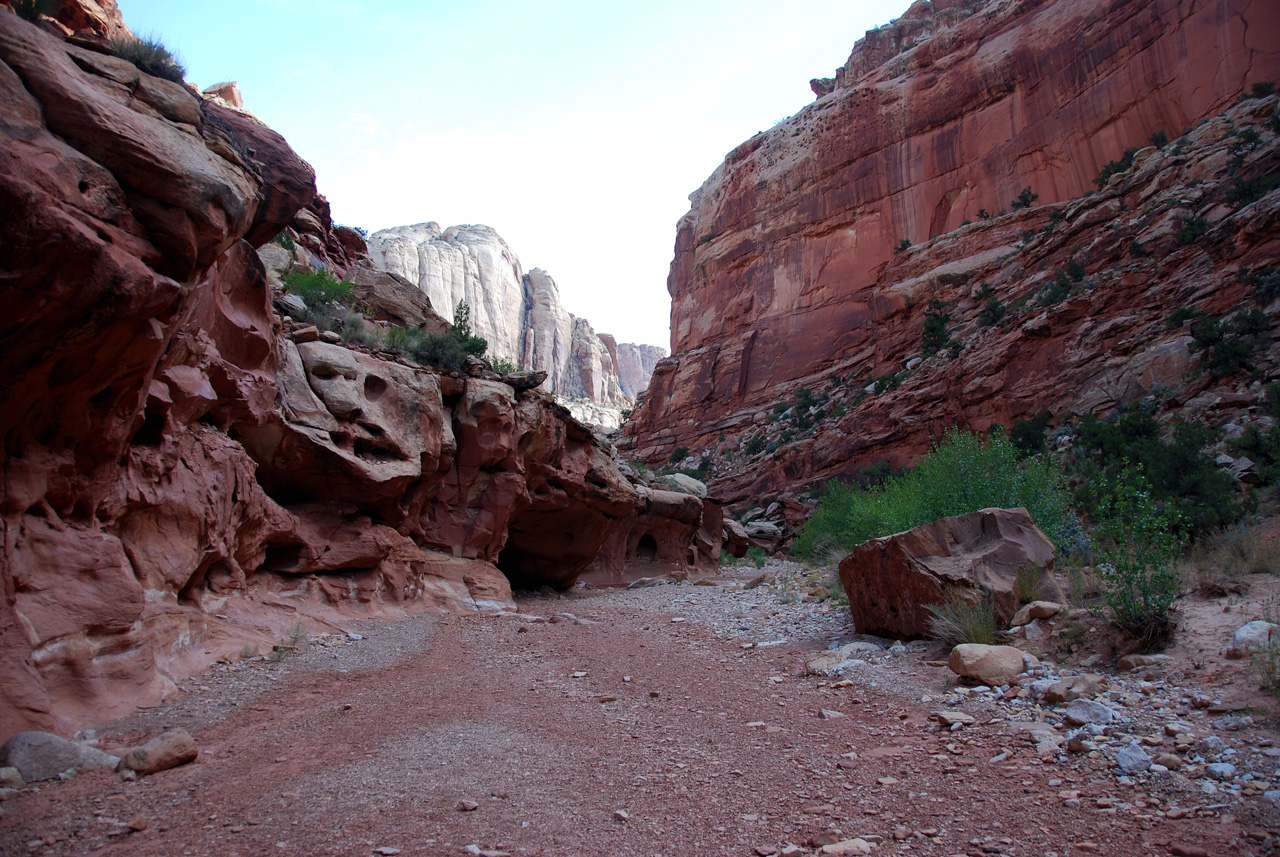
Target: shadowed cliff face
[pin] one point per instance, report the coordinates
(180, 477)
(788, 269)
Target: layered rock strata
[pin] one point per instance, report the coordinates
(184, 473)
(810, 256)
(521, 315)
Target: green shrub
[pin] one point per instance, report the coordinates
(1139, 542)
(1057, 291)
(678, 454)
(1241, 192)
(504, 365)
(284, 239)
(446, 351)
(317, 288)
(755, 444)
(1190, 229)
(1265, 282)
(892, 381)
(1027, 436)
(1074, 270)
(1159, 139)
(963, 473)
(983, 214)
(148, 55)
(755, 555)
(1136, 250)
(1024, 199)
(1263, 88)
(358, 331)
(957, 621)
(992, 312)
(903, 245)
(1227, 345)
(1178, 473)
(933, 337)
(31, 10)
(1113, 168)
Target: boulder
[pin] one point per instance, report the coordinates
(891, 581)
(168, 750)
(685, 484)
(1251, 638)
(990, 665)
(736, 541)
(1034, 610)
(43, 755)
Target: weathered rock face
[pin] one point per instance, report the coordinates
(891, 581)
(521, 315)
(785, 273)
(181, 474)
(635, 367)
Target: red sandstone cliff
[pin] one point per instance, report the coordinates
(785, 270)
(182, 473)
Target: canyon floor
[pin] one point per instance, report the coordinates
(667, 720)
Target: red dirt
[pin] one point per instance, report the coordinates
(345, 749)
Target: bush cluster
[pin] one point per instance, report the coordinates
(964, 472)
(1113, 168)
(148, 55)
(1178, 473)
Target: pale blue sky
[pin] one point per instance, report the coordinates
(575, 129)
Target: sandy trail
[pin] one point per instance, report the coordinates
(638, 735)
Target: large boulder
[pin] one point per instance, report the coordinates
(891, 581)
(43, 755)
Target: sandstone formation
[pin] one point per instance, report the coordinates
(185, 472)
(891, 581)
(810, 256)
(521, 315)
(635, 367)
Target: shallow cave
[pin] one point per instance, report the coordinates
(551, 548)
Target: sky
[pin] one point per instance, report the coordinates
(575, 129)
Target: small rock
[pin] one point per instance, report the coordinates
(169, 750)
(1172, 761)
(137, 824)
(1133, 662)
(386, 851)
(990, 665)
(306, 333)
(1132, 759)
(1082, 712)
(465, 805)
(1075, 687)
(330, 336)
(1035, 610)
(10, 778)
(847, 847)
(621, 815)
(1220, 770)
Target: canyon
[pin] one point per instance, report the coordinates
(187, 471)
(520, 314)
(952, 161)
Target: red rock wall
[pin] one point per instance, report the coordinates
(785, 266)
(180, 478)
